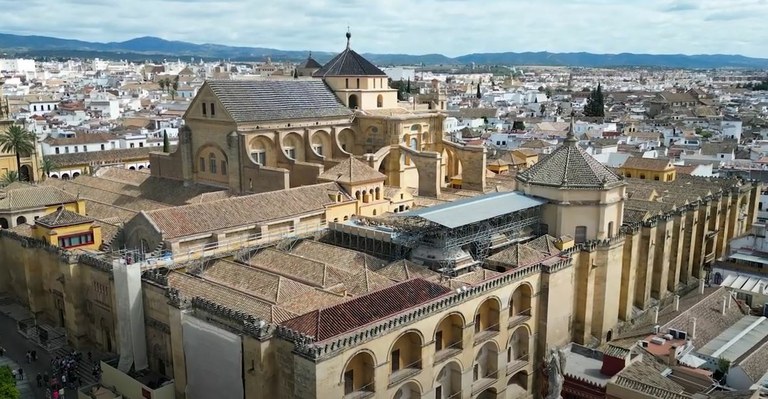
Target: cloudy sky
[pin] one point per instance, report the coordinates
(450, 27)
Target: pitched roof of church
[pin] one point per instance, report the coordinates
(348, 63)
(312, 63)
(570, 167)
(269, 100)
(62, 218)
(351, 170)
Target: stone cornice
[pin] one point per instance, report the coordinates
(243, 322)
(158, 325)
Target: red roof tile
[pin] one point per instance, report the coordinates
(336, 320)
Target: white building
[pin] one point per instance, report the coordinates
(42, 107)
(400, 73)
(731, 128)
(70, 142)
(105, 104)
(17, 65)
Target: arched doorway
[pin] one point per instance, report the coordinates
(3, 223)
(353, 103)
(405, 355)
(448, 383)
(21, 220)
(25, 174)
(489, 393)
(132, 168)
(520, 305)
(517, 385)
(358, 375)
(74, 175)
(410, 390)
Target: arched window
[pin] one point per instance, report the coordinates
(213, 110)
(21, 220)
(353, 101)
(610, 229)
(224, 167)
(379, 100)
(212, 163)
(358, 83)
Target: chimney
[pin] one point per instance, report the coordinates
(672, 356)
(656, 315)
(701, 287)
(725, 303)
(677, 303)
(692, 335)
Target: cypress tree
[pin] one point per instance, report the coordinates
(479, 96)
(166, 142)
(408, 87)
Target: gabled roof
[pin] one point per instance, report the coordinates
(62, 218)
(653, 164)
(351, 170)
(348, 63)
(18, 197)
(245, 210)
(312, 63)
(336, 320)
(269, 100)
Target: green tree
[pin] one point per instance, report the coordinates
(408, 86)
(17, 140)
(9, 177)
(296, 73)
(166, 142)
(47, 166)
(161, 83)
(543, 109)
(479, 95)
(595, 103)
(8, 388)
(518, 125)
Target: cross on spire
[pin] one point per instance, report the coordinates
(349, 36)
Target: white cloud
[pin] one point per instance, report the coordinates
(451, 27)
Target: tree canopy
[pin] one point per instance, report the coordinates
(8, 388)
(595, 103)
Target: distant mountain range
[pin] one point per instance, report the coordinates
(153, 48)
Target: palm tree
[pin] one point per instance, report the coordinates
(47, 166)
(17, 140)
(9, 177)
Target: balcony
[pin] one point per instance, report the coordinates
(520, 318)
(401, 375)
(481, 384)
(359, 395)
(516, 365)
(445, 354)
(483, 336)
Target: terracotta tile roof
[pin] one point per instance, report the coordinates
(307, 271)
(62, 218)
(20, 197)
(82, 138)
(247, 210)
(345, 259)
(366, 281)
(569, 167)
(348, 63)
(653, 164)
(518, 255)
(336, 320)
(97, 157)
(648, 371)
(101, 196)
(351, 170)
(545, 244)
(755, 365)
(402, 270)
(289, 294)
(144, 186)
(476, 277)
(269, 100)
(190, 287)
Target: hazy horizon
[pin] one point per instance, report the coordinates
(448, 27)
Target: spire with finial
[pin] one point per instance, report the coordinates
(349, 36)
(570, 138)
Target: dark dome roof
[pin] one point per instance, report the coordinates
(348, 63)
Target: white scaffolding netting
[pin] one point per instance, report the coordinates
(130, 320)
(214, 360)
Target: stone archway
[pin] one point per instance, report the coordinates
(353, 101)
(293, 146)
(25, 173)
(261, 150)
(321, 143)
(4, 223)
(347, 140)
